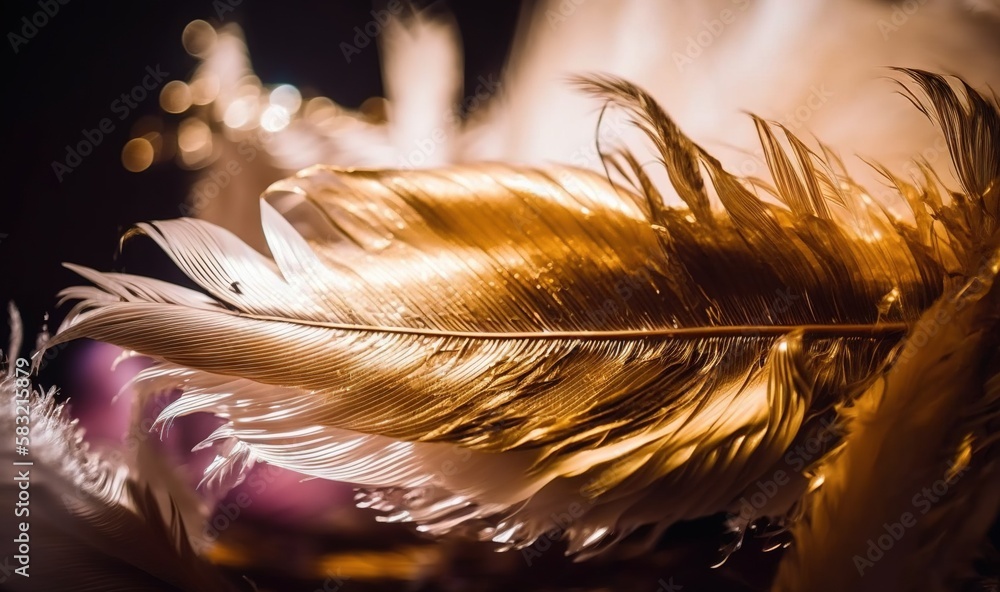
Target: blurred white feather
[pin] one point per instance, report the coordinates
(89, 521)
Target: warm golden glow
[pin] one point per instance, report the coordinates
(249, 85)
(320, 108)
(241, 113)
(375, 109)
(199, 38)
(404, 563)
(175, 97)
(194, 139)
(204, 89)
(194, 134)
(275, 118)
(286, 96)
(137, 154)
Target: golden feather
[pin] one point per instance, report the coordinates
(916, 481)
(502, 342)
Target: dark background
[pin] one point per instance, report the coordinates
(65, 78)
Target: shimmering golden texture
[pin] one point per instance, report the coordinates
(498, 342)
(175, 97)
(137, 154)
(919, 460)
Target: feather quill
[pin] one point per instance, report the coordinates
(499, 342)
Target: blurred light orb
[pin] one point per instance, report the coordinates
(375, 109)
(137, 155)
(240, 113)
(204, 89)
(321, 107)
(194, 139)
(175, 97)
(286, 96)
(249, 85)
(199, 38)
(193, 134)
(275, 118)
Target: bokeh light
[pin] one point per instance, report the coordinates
(194, 140)
(137, 154)
(175, 97)
(199, 38)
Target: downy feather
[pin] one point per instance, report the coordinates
(92, 525)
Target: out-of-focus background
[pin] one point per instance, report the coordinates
(67, 77)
